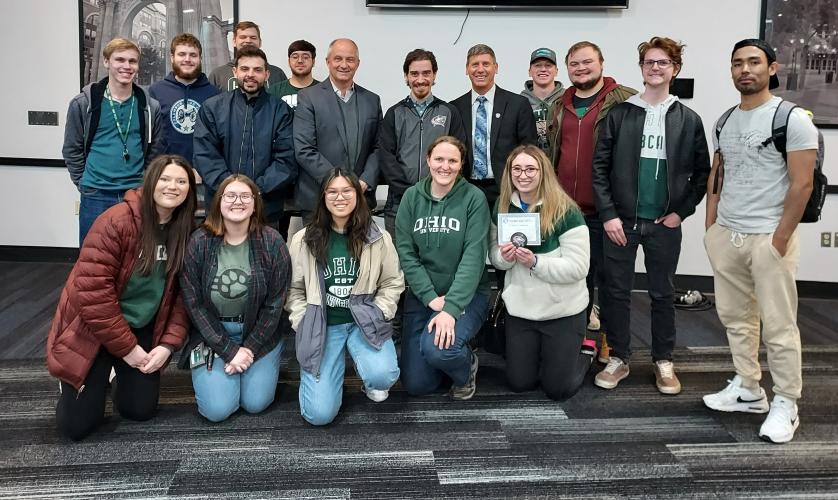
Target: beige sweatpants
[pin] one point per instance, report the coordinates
(753, 282)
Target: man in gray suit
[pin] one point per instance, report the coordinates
(336, 125)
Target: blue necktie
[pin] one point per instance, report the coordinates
(481, 168)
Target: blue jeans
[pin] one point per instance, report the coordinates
(93, 203)
(321, 397)
(661, 247)
(219, 395)
(424, 365)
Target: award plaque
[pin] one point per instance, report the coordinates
(518, 239)
(519, 229)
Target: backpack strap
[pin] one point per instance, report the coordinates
(721, 122)
(779, 127)
(719, 125)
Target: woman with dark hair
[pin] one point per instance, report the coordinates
(235, 277)
(345, 286)
(441, 232)
(544, 287)
(120, 307)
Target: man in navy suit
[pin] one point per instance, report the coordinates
(496, 122)
(336, 125)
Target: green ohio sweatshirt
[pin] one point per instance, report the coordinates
(442, 243)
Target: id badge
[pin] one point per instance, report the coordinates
(198, 356)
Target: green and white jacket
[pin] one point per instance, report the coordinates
(555, 287)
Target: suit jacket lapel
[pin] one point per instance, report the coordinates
(498, 110)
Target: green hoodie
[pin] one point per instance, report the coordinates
(442, 243)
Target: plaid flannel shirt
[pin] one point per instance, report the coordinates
(270, 266)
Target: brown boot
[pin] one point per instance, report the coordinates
(604, 350)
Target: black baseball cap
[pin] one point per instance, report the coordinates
(762, 45)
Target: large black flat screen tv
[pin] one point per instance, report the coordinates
(503, 4)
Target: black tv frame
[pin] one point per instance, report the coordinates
(502, 4)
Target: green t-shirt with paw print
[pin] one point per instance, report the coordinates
(230, 286)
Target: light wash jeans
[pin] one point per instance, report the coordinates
(320, 398)
(219, 395)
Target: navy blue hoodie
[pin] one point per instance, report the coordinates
(179, 105)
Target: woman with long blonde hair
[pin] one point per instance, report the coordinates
(544, 288)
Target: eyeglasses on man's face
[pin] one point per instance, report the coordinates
(662, 63)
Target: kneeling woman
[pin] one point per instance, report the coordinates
(345, 286)
(234, 282)
(544, 289)
(441, 232)
(120, 307)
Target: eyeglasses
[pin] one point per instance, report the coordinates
(662, 63)
(245, 198)
(529, 172)
(347, 194)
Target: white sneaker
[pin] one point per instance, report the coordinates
(781, 422)
(377, 395)
(734, 397)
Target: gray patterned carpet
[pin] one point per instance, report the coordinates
(630, 442)
(627, 443)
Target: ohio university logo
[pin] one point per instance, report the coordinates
(183, 116)
(436, 224)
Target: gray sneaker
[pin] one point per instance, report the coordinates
(464, 392)
(614, 372)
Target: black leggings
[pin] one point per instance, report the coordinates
(546, 352)
(135, 394)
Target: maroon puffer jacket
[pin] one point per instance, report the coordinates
(88, 315)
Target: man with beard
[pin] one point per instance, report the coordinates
(336, 125)
(181, 94)
(247, 131)
(301, 56)
(409, 126)
(245, 34)
(496, 122)
(113, 131)
(572, 133)
(542, 91)
(755, 199)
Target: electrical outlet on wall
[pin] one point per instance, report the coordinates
(77, 203)
(835, 240)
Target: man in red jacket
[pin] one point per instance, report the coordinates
(573, 130)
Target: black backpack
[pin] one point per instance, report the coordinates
(812, 213)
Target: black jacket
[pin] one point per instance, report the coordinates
(617, 160)
(405, 137)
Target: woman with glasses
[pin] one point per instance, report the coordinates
(345, 286)
(441, 229)
(544, 290)
(234, 282)
(120, 308)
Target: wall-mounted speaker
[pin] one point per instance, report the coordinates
(683, 88)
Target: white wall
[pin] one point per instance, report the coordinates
(46, 196)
